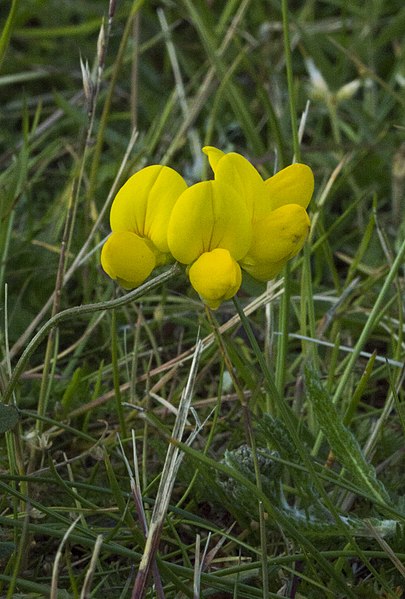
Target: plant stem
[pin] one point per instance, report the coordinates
(76, 311)
(290, 80)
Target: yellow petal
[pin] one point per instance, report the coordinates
(292, 185)
(144, 203)
(263, 271)
(276, 239)
(235, 170)
(206, 216)
(215, 276)
(214, 155)
(127, 258)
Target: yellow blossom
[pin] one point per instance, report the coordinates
(215, 228)
(139, 218)
(208, 217)
(276, 208)
(127, 258)
(216, 276)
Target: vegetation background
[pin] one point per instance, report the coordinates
(289, 478)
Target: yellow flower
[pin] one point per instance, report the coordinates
(210, 231)
(139, 218)
(216, 276)
(215, 228)
(276, 209)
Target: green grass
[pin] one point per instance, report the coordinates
(149, 447)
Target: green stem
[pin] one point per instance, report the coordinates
(43, 393)
(116, 377)
(20, 552)
(285, 304)
(307, 311)
(290, 80)
(282, 343)
(6, 246)
(75, 312)
(8, 29)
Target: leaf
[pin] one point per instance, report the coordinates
(341, 440)
(72, 390)
(8, 418)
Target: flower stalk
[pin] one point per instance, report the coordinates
(77, 311)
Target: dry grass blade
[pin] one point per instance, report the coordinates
(168, 478)
(201, 562)
(58, 557)
(197, 568)
(85, 592)
(137, 495)
(388, 550)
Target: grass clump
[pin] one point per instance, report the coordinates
(150, 447)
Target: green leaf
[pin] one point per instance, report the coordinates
(72, 390)
(8, 29)
(8, 418)
(341, 440)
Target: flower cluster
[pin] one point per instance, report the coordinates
(216, 228)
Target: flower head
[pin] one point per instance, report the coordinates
(210, 231)
(215, 228)
(139, 217)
